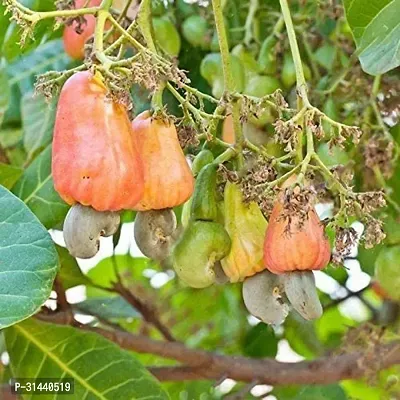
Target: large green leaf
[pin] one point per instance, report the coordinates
(302, 336)
(260, 341)
(317, 392)
(4, 94)
(50, 56)
(10, 46)
(28, 261)
(9, 175)
(38, 122)
(376, 29)
(70, 273)
(100, 369)
(109, 308)
(36, 189)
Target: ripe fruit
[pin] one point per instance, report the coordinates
(83, 227)
(94, 159)
(387, 271)
(301, 291)
(168, 179)
(262, 296)
(201, 246)
(291, 247)
(195, 30)
(246, 227)
(154, 232)
(74, 43)
(167, 36)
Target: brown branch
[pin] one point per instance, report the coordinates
(200, 365)
(147, 312)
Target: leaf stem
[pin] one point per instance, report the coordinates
(301, 82)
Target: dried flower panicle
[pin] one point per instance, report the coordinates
(259, 173)
(379, 152)
(298, 202)
(371, 201)
(373, 232)
(345, 240)
(287, 134)
(187, 135)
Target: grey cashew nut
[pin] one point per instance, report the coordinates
(262, 295)
(83, 227)
(302, 293)
(155, 231)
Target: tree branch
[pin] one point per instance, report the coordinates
(200, 365)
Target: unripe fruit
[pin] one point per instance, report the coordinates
(167, 36)
(202, 245)
(83, 227)
(262, 298)
(246, 227)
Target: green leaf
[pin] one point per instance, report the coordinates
(260, 341)
(5, 94)
(101, 370)
(325, 56)
(4, 22)
(36, 189)
(70, 273)
(103, 274)
(302, 336)
(10, 43)
(50, 56)
(28, 261)
(109, 308)
(38, 119)
(376, 30)
(318, 392)
(10, 137)
(9, 175)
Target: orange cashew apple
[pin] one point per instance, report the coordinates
(168, 179)
(94, 160)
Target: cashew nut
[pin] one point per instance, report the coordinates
(83, 227)
(154, 232)
(301, 291)
(263, 299)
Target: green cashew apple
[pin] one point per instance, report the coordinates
(201, 246)
(166, 36)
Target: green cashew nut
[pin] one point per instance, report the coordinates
(301, 291)
(83, 227)
(262, 296)
(201, 246)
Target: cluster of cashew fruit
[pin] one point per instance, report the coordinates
(103, 163)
